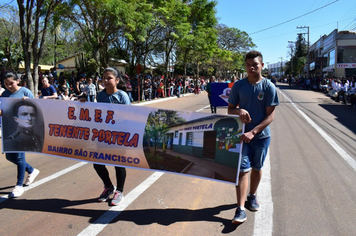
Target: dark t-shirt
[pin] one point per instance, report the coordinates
(48, 91)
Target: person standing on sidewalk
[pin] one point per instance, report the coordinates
(208, 90)
(254, 99)
(90, 90)
(13, 90)
(114, 92)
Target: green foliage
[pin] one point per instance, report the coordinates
(10, 39)
(300, 64)
(201, 42)
(157, 126)
(233, 39)
(159, 33)
(298, 57)
(93, 66)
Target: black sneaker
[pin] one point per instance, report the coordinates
(252, 203)
(107, 193)
(240, 216)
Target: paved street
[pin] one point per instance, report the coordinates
(308, 186)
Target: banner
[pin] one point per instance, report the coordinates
(185, 142)
(220, 93)
(346, 65)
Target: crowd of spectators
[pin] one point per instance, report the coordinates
(340, 89)
(76, 85)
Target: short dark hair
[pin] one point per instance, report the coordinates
(22, 103)
(254, 54)
(11, 74)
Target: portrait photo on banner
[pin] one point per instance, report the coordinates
(22, 126)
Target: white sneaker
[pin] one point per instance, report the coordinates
(31, 177)
(17, 191)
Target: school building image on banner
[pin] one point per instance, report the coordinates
(214, 139)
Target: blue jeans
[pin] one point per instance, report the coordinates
(90, 98)
(254, 154)
(22, 166)
(130, 95)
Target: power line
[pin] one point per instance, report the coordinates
(6, 4)
(351, 12)
(306, 20)
(349, 25)
(274, 36)
(294, 18)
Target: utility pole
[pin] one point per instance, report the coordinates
(306, 27)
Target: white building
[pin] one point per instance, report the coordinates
(277, 69)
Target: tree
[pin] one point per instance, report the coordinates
(138, 39)
(34, 19)
(237, 43)
(300, 64)
(200, 44)
(64, 40)
(172, 15)
(233, 39)
(158, 123)
(299, 59)
(10, 40)
(99, 21)
(222, 62)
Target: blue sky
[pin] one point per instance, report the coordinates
(257, 15)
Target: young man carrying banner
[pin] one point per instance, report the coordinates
(254, 99)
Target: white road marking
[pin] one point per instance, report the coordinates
(153, 101)
(96, 227)
(45, 180)
(349, 160)
(203, 108)
(264, 217)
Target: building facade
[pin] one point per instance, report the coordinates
(277, 69)
(204, 137)
(334, 55)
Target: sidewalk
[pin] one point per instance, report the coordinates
(136, 103)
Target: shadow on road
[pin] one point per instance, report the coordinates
(7, 188)
(344, 114)
(140, 217)
(172, 215)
